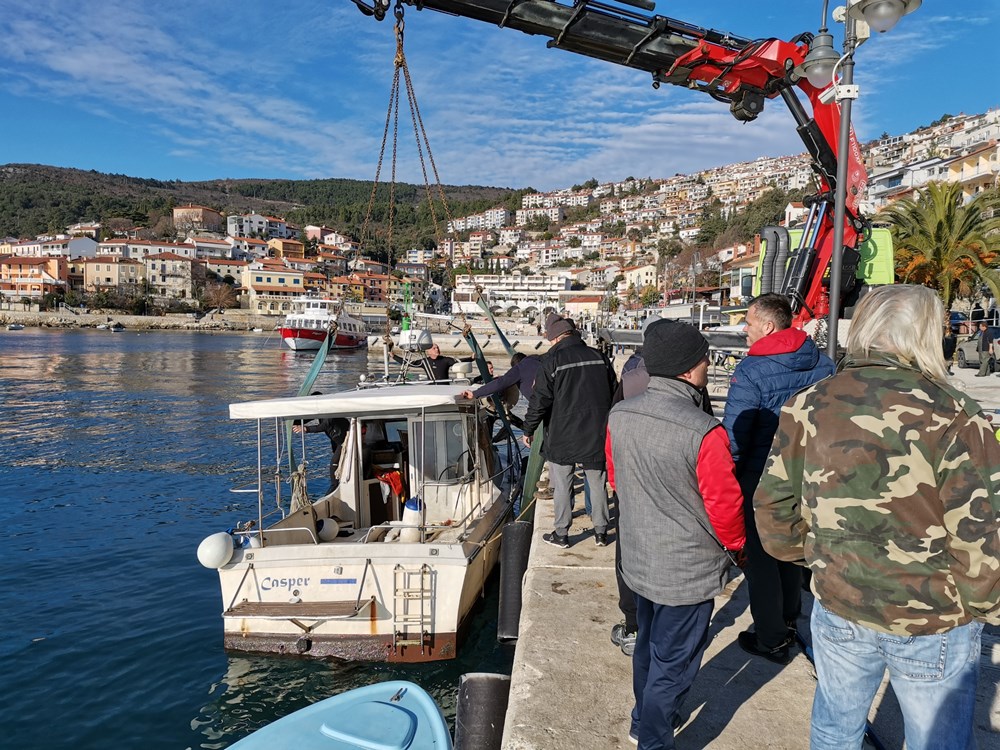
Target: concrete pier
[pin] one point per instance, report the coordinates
(571, 687)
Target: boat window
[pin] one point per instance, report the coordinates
(442, 454)
(396, 431)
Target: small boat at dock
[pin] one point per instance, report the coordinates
(15, 326)
(394, 715)
(387, 566)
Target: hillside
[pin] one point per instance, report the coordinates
(36, 199)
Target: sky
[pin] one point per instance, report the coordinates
(194, 90)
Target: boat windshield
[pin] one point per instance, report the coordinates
(442, 452)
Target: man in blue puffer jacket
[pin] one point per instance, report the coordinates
(781, 361)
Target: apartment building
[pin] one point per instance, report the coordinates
(113, 274)
(32, 277)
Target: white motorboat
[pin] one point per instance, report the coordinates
(387, 566)
(15, 326)
(308, 325)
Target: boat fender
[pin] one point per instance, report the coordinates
(327, 529)
(482, 708)
(216, 550)
(411, 520)
(515, 545)
(303, 644)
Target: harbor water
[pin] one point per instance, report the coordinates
(117, 457)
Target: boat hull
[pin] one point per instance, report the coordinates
(305, 339)
(281, 598)
(440, 646)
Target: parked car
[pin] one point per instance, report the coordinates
(959, 322)
(966, 353)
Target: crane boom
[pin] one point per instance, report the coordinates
(741, 72)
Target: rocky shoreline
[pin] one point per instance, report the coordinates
(451, 343)
(228, 321)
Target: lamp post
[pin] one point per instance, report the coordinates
(819, 66)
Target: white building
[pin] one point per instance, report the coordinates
(512, 293)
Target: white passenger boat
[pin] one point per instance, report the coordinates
(308, 325)
(388, 566)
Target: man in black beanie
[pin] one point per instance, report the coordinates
(572, 396)
(680, 522)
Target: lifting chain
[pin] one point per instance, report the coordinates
(420, 135)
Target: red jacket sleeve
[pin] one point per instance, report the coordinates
(720, 490)
(609, 459)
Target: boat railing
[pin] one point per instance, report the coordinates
(311, 532)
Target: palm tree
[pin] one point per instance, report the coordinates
(944, 243)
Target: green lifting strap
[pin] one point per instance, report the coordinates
(305, 390)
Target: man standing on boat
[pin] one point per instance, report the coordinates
(680, 522)
(781, 361)
(334, 428)
(572, 396)
(439, 364)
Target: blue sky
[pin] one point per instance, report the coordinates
(196, 90)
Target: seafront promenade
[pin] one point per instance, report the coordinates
(571, 687)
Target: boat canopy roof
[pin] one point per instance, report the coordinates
(393, 399)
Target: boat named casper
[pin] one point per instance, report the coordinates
(309, 323)
(387, 566)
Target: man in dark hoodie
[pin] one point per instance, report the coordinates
(781, 361)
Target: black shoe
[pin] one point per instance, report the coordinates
(562, 542)
(780, 654)
(601, 539)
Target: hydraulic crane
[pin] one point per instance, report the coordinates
(741, 72)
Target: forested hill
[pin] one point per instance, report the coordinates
(37, 199)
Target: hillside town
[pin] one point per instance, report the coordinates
(601, 247)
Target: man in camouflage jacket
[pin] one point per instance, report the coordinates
(885, 481)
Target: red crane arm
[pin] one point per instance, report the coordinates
(741, 72)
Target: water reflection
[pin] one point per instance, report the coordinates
(257, 690)
(116, 458)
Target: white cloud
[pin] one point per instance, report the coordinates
(300, 91)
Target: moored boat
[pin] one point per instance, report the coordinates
(15, 326)
(394, 715)
(388, 566)
(311, 320)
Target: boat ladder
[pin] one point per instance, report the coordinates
(411, 618)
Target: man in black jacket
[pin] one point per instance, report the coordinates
(572, 396)
(335, 428)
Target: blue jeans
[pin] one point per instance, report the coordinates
(933, 676)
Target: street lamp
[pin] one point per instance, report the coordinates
(857, 17)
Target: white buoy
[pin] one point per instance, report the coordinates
(327, 529)
(215, 550)
(411, 518)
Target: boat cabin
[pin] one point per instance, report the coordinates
(416, 464)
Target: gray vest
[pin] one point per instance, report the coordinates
(670, 553)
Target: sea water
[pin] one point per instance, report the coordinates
(117, 457)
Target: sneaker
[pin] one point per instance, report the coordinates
(623, 639)
(780, 654)
(601, 539)
(628, 643)
(562, 542)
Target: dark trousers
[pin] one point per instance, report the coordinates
(667, 657)
(775, 589)
(626, 597)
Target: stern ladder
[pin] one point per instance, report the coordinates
(411, 617)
